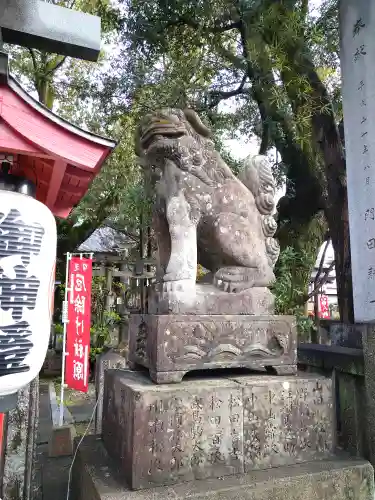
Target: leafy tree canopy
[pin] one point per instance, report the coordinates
(264, 68)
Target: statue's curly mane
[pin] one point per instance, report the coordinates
(211, 169)
(214, 168)
(181, 137)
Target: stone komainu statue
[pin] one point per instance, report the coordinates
(203, 213)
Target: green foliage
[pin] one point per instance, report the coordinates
(289, 299)
(102, 320)
(102, 327)
(59, 329)
(64, 84)
(305, 327)
(266, 69)
(48, 74)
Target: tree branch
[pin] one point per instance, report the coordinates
(218, 95)
(265, 138)
(305, 8)
(183, 21)
(57, 66)
(321, 264)
(316, 280)
(321, 282)
(263, 84)
(219, 26)
(32, 53)
(257, 80)
(327, 138)
(227, 27)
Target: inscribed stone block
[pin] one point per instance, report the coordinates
(215, 427)
(174, 433)
(286, 420)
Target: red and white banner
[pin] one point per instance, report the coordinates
(79, 322)
(324, 307)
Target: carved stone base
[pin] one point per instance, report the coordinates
(173, 345)
(167, 377)
(207, 428)
(207, 299)
(95, 477)
(281, 370)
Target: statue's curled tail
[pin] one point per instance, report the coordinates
(257, 176)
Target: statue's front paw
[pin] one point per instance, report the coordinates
(233, 279)
(231, 286)
(179, 285)
(177, 276)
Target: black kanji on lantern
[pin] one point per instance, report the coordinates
(17, 237)
(19, 242)
(14, 347)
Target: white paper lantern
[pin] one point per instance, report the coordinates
(27, 273)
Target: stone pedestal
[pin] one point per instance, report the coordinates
(172, 345)
(19, 445)
(208, 299)
(96, 477)
(215, 427)
(369, 373)
(61, 441)
(105, 361)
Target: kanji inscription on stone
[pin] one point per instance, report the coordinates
(205, 428)
(191, 435)
(357, 54)
(286, 422)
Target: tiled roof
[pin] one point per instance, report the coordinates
(105, 240)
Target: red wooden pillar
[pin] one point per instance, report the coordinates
(2, 417)
(2, 448)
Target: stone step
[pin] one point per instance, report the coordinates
(96, 478)
(214, 427)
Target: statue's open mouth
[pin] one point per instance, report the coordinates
(156, 132)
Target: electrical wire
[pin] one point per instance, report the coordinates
(77, 448)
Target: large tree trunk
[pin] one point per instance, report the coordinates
(328, 138)
(328, 143)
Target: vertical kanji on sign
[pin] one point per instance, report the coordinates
(79, 322)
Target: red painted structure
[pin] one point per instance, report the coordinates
(61, 158)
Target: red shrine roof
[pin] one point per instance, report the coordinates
(61, 158)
